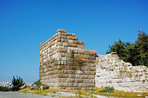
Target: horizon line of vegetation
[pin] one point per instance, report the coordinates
(136, 53)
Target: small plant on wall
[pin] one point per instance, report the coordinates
(78, 61)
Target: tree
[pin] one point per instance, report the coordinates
(17, 83)
(120, 48)
(142, 42)
(132, 54)
(135, 53)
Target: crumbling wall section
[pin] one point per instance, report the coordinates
(113, 72)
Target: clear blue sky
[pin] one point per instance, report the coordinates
(24, 24)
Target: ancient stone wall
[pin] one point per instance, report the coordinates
(113, 72)
(65, 63)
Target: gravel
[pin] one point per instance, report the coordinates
(64, 94)
(20, 95)
(26, 95)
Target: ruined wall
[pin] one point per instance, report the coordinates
(65, 63)
(113, 72)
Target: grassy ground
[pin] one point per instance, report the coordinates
(87, 93)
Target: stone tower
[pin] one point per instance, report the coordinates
(65, 63)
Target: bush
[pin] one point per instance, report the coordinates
(17, 83)
(38, 83)
(5, 88)
(107, 90)
(92, 89)
(77, 89)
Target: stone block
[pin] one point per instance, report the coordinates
(62, 31)
(71, 76)
(78, 80)
(69, 37)
(63, 50)
(68, 34)
(69, 71)
(62, 76)
(75, 38)
(70, 80)
(76, 42)
(62, 84)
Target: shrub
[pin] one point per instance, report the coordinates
(76, 88)
(92, 89)
(5, 88)
(38, 83)
(107, 90)
(17, 83)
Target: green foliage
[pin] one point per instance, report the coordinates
(17, 83)
(107, 90)
(118, 47)
(135, 53)
(132, 54)
(76, 88)
(38, 83)
(92, 89)
(5, 89)
(142, 42)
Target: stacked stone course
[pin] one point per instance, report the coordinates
(57, 62)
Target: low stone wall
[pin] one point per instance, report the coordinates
(113, 72)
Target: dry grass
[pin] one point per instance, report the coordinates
(88, 93)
